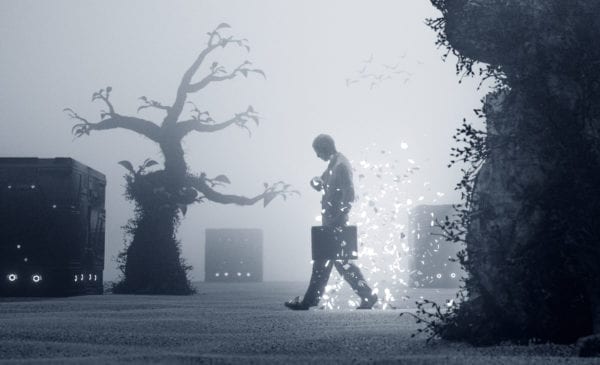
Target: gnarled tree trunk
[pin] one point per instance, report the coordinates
(152, 262)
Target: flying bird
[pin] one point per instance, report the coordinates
(391, 67)
(382, 73)
(350, 82)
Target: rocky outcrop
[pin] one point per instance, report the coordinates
(533, 237)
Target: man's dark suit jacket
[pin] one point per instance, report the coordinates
(338, 191)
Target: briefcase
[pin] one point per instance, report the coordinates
(334, 243)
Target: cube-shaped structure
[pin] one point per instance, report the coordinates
(431, 265)
(234, 255)
(51, 227)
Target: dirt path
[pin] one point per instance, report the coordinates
(234, 323)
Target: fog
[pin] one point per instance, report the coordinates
(54, 54)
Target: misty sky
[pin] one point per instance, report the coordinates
(54, 54)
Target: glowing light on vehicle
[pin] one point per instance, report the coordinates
(12, 277)
(36, 278)
(76, 279)
(95, 277)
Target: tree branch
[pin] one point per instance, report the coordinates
(141, 126)
(182, 90)
(218, 73)
(104, 95)
(111, 120)
(201, 184)
(216, 39)
(149, 103)
(202, 122)
(205, 187)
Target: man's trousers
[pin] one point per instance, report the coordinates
(320, 275)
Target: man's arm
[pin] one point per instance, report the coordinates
(346, 186)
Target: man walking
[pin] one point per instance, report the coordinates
(338, 195)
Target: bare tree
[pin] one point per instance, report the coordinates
(152, 263)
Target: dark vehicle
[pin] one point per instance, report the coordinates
(51, 227)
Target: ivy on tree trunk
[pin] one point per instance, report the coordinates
(152, 262)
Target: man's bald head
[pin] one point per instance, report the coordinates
(324, 146)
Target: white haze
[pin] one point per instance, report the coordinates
(54, 54)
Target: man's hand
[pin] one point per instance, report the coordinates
(316, 183)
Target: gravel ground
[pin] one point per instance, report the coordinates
(235, 323)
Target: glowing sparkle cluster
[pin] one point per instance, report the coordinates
(383, 181)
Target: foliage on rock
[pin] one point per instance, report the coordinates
(531, 192)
